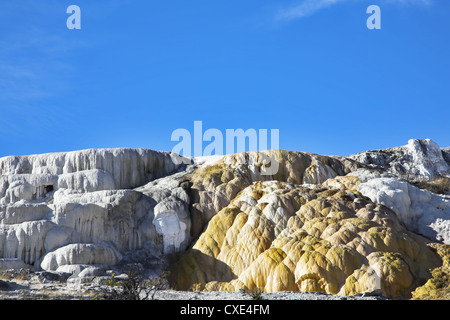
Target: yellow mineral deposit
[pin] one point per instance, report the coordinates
(278, 236)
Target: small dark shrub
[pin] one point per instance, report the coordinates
(134, 287)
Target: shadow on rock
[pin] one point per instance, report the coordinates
(193, 268)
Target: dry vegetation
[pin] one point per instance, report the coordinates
(439, 185)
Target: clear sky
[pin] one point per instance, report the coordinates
(138, 70)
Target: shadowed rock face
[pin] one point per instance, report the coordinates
(319, 223)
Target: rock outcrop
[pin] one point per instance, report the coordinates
(52, 202)
(212, 187)
(339, 225)
(276, 236)
(380, 221)
(420, 210)
(418, 160)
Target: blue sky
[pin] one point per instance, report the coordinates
(138, 70)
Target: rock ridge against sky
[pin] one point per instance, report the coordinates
(339, 225)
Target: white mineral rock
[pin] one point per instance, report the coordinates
(59, 207)
(80, 254)
(418, 160)
(60, 211)
(421, 211)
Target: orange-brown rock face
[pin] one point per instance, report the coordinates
(277, 236)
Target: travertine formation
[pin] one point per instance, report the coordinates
(276, 236)
(362, 227)
(80, 207)
(339, 225)
(418, 160)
